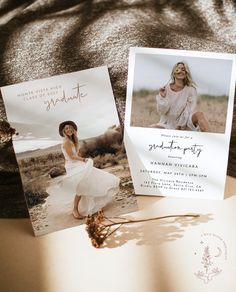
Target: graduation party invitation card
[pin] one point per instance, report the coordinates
(178, 121)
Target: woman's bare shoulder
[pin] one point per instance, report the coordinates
(67, 144)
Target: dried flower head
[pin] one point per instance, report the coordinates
(96, 230)
(6, 131)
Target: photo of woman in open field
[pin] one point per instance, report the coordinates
(69, 149)
(180, 93)
(65, 182)
(93, 188)
(176, 103)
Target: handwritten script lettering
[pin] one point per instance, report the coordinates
(172, 145)
(64, 98)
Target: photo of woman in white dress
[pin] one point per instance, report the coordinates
(93, 188)
(177, 100)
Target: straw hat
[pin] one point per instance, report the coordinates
(63, 124)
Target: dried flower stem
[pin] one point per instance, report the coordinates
(129, 221)
(99, 231)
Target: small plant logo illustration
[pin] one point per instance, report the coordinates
(213, 254)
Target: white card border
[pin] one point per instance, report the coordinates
(184, 53)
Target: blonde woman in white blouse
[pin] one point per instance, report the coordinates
(176, 103)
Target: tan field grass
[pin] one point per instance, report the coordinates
(45, 215)
(145, 113)
(35, 170)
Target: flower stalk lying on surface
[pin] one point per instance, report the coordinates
(99, 227)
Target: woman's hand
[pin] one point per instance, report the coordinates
(73, 131)
(162, 91)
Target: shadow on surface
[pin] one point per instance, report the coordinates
(154, 232)
(22, 257)
(230, 187)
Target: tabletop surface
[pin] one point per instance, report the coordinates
(169, 255)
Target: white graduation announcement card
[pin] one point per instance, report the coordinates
(69, 148)
(178, 121)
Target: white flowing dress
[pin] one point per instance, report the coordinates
(177, 108)
(96, 187)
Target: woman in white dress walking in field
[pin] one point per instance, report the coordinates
(176, 103)
(93, 188)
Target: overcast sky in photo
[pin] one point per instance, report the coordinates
(212, 76)
(93, 113)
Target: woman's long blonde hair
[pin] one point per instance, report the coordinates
(74, 138)
(188, 79)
